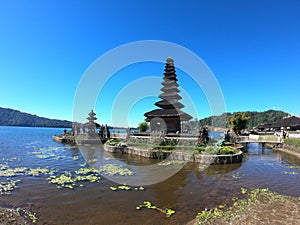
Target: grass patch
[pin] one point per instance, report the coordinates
(252, 208)
(294, 142)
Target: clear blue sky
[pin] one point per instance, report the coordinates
(252, 47)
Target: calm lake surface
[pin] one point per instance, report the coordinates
(187, 192)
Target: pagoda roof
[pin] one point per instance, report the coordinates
(173, 89)
(170, 96)
(168, 113)
(169, 105)
(169, 84)
(169, 79)
(287, 122)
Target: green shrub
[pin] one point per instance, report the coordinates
(160, 147)
(212, 150)
(200, 149)
(143, 126)
(112, 142)
(224, 150)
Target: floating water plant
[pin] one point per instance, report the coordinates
(244, 190)
(112, 170)
(64, 180)
(139, 188)
(289, 172)
(86, 170)
(8, 186)
(83, 164)
(170, 162)
(37, 171)
(237, 175)
(149, 205)
(113, 188)
(126, 188)
(69, 180)
(92, 178)
(8, 172)
(206, 215)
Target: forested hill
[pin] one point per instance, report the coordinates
(11, 117)
(256, 118)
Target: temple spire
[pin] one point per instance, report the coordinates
(169, 114)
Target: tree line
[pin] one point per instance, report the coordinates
(255, 118)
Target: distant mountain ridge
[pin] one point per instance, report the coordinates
(12, 117)
(256, 118)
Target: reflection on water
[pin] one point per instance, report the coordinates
(189, 191)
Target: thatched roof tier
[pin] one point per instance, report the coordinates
(171, 81)
(164, 104)
(170, 96)
(168, 113)
(170, 89)
(287, 122)
(291, 122)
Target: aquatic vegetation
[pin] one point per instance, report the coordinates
(170, 162)
(139, 188)
(92, 178)
(64, 180)
(83, 164)
(206, 215)
(86, 170)
(112, 170)
(37, 171)
(47, 152)
(8, 186)
(289, 172)
(244, 190)
(263, 197)
(92, 160)
(69, 180)
(149, 205)
(238, 175)
(125, 187)
(9, 172)
(3, 166)
(59, 157)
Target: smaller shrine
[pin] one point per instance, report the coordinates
(91, 124)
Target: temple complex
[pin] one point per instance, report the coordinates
(169, 117)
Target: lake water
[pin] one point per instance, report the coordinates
(187, 192)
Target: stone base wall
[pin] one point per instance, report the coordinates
(292, 148)
(178, 155)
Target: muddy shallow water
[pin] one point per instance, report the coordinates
(187, 192)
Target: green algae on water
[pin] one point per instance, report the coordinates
(112, 170)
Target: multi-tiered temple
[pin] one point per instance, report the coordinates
(91, 125)
(169, 117)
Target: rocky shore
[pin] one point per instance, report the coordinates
(12, 217)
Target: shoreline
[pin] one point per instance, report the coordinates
(12, 216)
(292, 150)
(252, 208)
